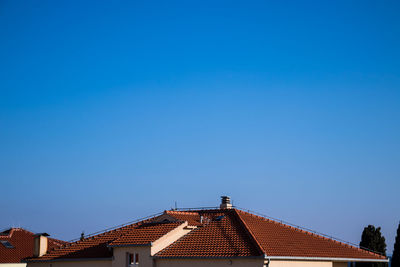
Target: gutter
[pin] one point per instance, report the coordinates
(326, 259)
(210, 257)
(65, 259)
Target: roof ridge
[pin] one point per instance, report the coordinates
(181, 212)
(12, 230)
(259, 247)
(9, 235)
(58, 242)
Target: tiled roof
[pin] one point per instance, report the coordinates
(220, 236)
(145, 233)
(22, 241)
(277, 239)
(193, 218)
(97, 246)
(216, 233)
(220, 239)
(91, 247)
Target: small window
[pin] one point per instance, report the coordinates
(6, 244)
(133, 259)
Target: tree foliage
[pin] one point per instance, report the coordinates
(373, 240)
(396, 250)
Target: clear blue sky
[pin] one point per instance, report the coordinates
(114, 111)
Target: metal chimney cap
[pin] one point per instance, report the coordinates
(225, 202)
(42, 234)
(225, 199)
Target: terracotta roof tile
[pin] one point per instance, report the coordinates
(222, 236)
(91, 247)
(23, 241)
(278, 239)
(145, 233)
(193, 218)
(97, 246)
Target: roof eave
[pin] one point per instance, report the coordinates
(326, 259)
(207, 257)
(66, 259)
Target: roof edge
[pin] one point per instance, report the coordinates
(65, 259)
(210, 257)
(326, 259)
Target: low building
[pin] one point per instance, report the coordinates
(17, 244)
(205, 237)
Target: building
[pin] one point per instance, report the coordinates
(17, 244)
(205, 237)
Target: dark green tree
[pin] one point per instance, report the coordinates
(396, 250)
(373, 240)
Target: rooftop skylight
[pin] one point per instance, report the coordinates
(6, 244)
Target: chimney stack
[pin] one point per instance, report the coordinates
(225, 202)
(40, 244)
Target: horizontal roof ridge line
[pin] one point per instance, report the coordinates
(181, 212)
(196, 209)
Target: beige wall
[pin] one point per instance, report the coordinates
(278, 263)
(145, 260)
(106, 263)
(209, 263)
(120, 259)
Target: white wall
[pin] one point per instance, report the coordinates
(145, 260)
(105, 263)
(12, 264)
(120, 260)
(278, 263)
(209, 263)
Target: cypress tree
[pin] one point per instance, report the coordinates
(373, 240)
(396, 250)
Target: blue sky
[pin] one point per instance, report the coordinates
(114, 111)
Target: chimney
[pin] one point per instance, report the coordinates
(225, 202)
(40, 244)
